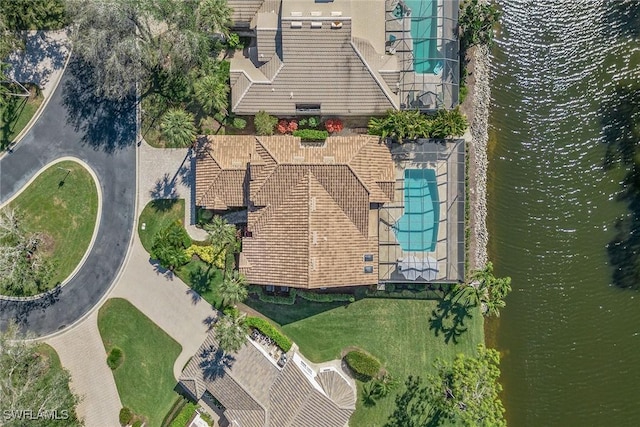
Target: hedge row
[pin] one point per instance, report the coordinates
(405, 294)
(291, 298)
(269, 330)
(363, 365)
(311, 134)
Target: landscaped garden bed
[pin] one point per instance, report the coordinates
(16, 113)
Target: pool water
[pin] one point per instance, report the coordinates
(417, 228)
(424, 33)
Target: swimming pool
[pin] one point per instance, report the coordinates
(424, 33)
(417, 228)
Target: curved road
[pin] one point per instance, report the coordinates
(75, 123)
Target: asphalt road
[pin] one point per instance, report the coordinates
(76, 123)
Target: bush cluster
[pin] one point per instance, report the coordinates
(209, 254)
(293, 293)
(311, 134)
(115, 358)
(264, 123)
(126, 416)
(412, 124)
(363, 365)
(269, 330)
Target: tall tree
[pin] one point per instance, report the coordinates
(169, 246)
(21, 15)
(28, 382)
(230, 332)
(178, 127)
(222, 233)
(233, 289)
(491, 290)
(212, 94)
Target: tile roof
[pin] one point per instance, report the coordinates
(309, 207)
(319, 62)
(255, 393)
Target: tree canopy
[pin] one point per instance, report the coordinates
(464, 391)
(29, 382)
(489, 290)
(230, 332)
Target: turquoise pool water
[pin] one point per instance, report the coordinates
(417, 228)
(424, 33)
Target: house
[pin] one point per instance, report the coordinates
(256, 392)
(345, 57)
(313, 58)
(312, 211)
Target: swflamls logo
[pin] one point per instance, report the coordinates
(30, 414)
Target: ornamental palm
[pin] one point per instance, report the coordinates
(231, 333)
(221, 232)
(233, 289)
(212, 94)
(178, 128)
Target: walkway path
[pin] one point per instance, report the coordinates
(82, 353)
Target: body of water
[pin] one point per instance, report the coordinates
(570, 338)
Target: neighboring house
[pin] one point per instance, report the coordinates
(255, 392)
(345, 57)
(313, 58)
(312, 211)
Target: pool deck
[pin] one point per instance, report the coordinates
(448, 162)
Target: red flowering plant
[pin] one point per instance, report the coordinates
(333, 125)
(283, 126)
(293, 125)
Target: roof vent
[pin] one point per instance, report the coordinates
(334, 24)
(336, 13)
(329, 160)
(368, 269)
(368, 257)
(316, 24)
(296, 13)
(315, 237)
(312, 203)
(296, 24)
(316, 13)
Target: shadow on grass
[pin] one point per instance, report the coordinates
(284, 314)
(163, 205)
(448, 318)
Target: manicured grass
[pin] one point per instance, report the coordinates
(145, 379)
(203, 279)
(15, 115)
(64, 214)
(402, 334)
(158, 214)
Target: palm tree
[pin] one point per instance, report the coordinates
(491, 291)
(178, 128)
(213, 16)
(221, 232)
(233, 289)
(231, 333)
(212, 94)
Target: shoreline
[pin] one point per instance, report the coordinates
(479, 98)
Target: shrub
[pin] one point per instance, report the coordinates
(126, 415)
(363, 365)
(233, 41)
(333, 125)
(269, 330)
(313, 122)
(273, 299)
(137, 423)
(303, 122)
(313, 296)
(264, 123)
(185, 415)
(283, 126)
(239, 123)
(389, 287)
(208, 254)
(115, 358)
(311, 134)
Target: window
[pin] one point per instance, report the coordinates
(368, 269)
(368, 257)
(307, 108)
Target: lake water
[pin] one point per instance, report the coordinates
(570, 339)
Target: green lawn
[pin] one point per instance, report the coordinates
(407, 336)
(64, 214)
(15, 115)
(157, 215)
(145, 379)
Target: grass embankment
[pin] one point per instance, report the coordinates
(63, 207)
(145, 379)
(15, 115)
(407, 336)
(199, 276)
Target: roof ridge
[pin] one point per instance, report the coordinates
(374, 73)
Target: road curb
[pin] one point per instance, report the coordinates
(40, 109)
